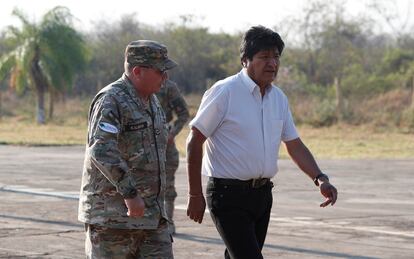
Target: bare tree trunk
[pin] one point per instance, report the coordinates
(40, 117)
(339, 100)
(51, 100)
(40, 82)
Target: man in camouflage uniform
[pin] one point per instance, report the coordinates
(172, 102)
(123, 183)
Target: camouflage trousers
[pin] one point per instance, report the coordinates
(102, 242)
(171, 166)
(170, 192)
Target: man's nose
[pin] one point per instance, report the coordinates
(273, 61)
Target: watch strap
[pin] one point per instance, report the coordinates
(316, 179)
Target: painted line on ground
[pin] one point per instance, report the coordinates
(290, 222)
(311, 222)
(40, 192)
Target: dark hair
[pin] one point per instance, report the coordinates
(259, 38)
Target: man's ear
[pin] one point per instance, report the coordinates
(244, 62)
(136, 71)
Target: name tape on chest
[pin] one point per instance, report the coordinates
(134, 127)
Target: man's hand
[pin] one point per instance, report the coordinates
(136, 206)
(329, 192)
(196, 207)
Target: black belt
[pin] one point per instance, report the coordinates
(252, 183)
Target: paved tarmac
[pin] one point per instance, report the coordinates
(374, 216)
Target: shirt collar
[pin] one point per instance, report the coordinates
(130, 88)
(249, 83)
(133, 93)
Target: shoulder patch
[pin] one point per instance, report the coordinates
(108, 127)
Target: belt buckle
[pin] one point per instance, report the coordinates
(256, 182)
(259, 182)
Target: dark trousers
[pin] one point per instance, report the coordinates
(241, 215)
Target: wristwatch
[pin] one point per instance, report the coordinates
(316, 179)
(130, 194)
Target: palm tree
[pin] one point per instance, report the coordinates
(45, 56)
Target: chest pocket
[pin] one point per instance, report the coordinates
(137, 141)
(143, 138)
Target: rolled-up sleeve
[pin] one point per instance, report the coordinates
(289, 129)
(212, 110)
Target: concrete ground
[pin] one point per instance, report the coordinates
(373, 218)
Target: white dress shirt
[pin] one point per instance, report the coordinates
(243, 130)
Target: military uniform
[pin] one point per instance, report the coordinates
(125, 156)
(173, 103)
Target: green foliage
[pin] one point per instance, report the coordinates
(408, 118)
(324, 114)
(6, 64)
(107, 45)
(329, 44)
(203, 57)
(62, 48)
(44, 55)
(397, 60)
(357, 83)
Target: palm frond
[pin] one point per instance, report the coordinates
(6, 64)
(63, 49)
(21, 80)
(22, 17)
(12, 32)
(10, 64)
(59, 15)
(28, 28)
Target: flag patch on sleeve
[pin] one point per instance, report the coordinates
(108, 127)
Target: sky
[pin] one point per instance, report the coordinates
(218, 15)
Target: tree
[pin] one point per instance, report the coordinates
(203, 57)
(45, 56)
(395, 14)
(107, 42)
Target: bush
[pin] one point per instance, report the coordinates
(407, 119)
(323, 114)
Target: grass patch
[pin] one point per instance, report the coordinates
(16, 132)
(69, 127)
(346, 142)
(356, 142)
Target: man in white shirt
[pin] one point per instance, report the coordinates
(243, 120)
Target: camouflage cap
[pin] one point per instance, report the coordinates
(149, 53)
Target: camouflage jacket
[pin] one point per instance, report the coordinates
(125, 151)
(173, 102)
